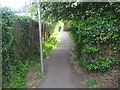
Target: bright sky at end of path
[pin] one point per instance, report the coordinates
(15, 4)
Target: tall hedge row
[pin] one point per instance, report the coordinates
(97, 40)
(7, 43)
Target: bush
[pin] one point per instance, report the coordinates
(91, 36)
(97, 63)
(17, 75)
(49, 44)
(8, 40)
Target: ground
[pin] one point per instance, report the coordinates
(62, 72)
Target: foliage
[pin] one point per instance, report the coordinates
(56, 11)
(33, 10)
(7, 43)
(96, 40)
(25, 40)
(17, 75)
(49, 44)
(93, 25)
(91, 82)
(15, 67)
(38, 74)
(8, 47)
(97, 63)
(13, 74)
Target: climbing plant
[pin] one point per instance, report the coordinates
(12, 73)
(7, 43)
(14, 66)
(97, 40)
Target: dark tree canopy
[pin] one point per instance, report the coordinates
(55, 11)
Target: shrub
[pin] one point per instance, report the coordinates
(91, 35)
(7, 43)
(49, 44)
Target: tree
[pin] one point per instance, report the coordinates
(55, 11)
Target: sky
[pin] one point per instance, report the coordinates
(15, 4)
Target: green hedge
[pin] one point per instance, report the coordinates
(8, 40)
(93, 36)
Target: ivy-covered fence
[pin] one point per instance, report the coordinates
(26, 35)
(7, 44)
(20, 46)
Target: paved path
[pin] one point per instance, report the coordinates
(59, 73)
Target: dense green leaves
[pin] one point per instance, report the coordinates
(7, 42)
(55, 11)
(13, 69)
(49, 44)
(97, 41)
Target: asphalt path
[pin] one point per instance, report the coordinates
(59, 72)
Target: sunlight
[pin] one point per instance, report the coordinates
(15, 4)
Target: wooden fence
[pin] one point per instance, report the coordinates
(33, 36)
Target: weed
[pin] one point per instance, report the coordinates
(91, 82)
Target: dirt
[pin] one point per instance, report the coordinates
(31, 80)
(108, 80)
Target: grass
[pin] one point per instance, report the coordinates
(38, 74)
(91, 82)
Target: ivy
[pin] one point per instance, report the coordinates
(96, 41)
(7, 43)
(15, 67)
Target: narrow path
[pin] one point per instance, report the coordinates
(59, 73)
